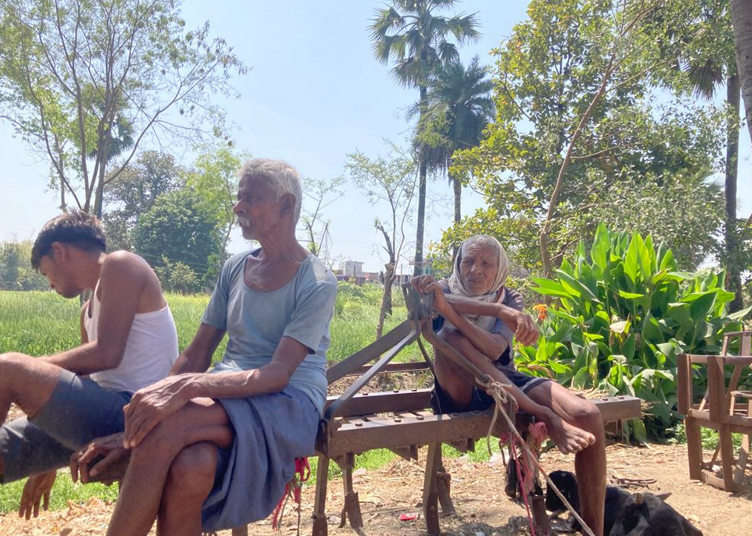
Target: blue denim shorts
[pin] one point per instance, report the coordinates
(78, 411)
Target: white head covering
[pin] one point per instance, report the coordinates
(457, 287)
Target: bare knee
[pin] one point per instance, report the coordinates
(13, 361)
(12, 367)
(587, 416)
(192, 472)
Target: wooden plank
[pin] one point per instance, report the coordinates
(618, 408)
(716, 388)
(684, 384)
(383, 402)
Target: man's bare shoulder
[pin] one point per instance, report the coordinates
(124, 267)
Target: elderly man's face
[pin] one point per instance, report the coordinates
(257, 209)
(478, 268)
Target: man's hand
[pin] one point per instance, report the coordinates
(150, 405)
(104, 453)
(426, 284)
(526, 331)
(36, 490)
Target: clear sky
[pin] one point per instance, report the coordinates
(314, 93)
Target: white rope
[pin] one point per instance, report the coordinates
(499, 393)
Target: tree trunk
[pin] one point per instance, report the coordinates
(457, 185)
(733, 275)
(423, 170)
(741, 19)
(386, 299)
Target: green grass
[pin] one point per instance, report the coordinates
(43, 323)
(708, 437)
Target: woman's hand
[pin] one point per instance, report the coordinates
(527, 331)
(426, 284)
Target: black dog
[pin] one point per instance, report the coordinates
(644, 514)
(566, 482)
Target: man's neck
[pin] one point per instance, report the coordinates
(91, 269)
(281, 249)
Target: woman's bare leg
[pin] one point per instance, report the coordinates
(589, 463)
(202, 420)
(568, 437)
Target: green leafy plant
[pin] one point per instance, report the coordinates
(620, 316)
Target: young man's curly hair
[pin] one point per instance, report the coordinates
(76, 228)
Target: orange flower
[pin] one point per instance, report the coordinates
(542, 311)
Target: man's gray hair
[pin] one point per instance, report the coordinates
(283, 177)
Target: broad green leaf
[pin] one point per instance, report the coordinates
(740, 314)
(638, 428)
(628, 349)
(701, 306)
(630, 295)
(601, 246)
(632, 261)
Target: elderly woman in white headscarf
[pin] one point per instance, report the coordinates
(480, 318)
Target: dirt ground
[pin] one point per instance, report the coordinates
(478, 493)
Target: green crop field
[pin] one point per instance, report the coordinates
(43, 323)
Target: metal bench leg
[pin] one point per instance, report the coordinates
(320, 527)
(351, 508)
(430, 492)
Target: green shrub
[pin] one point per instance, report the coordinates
(620, 317)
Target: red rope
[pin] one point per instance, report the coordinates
(292, 488)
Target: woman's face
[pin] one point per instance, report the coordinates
(478, 268)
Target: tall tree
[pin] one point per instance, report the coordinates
(705, 64)
(135, 190)
(215, 179)
(178, 228)
(76, 76)
(386, 181)
(741, 19)
(318, 194)
(459, 108)
(575, 116)
(415, 37)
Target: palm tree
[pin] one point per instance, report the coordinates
(459, 108)
(741, 19)
(409, 32)
(706, 74)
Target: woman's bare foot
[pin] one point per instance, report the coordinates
(569, 439)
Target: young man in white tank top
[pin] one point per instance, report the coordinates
(75, 396)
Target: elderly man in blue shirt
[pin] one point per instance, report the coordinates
(214, 450)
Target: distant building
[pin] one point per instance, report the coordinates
(352, 271)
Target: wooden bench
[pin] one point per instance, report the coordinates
(401, 420)
(726, 407)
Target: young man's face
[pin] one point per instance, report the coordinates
(61, 280)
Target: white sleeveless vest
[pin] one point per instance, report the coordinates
(150, 351)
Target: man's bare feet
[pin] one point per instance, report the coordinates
(569, 439)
